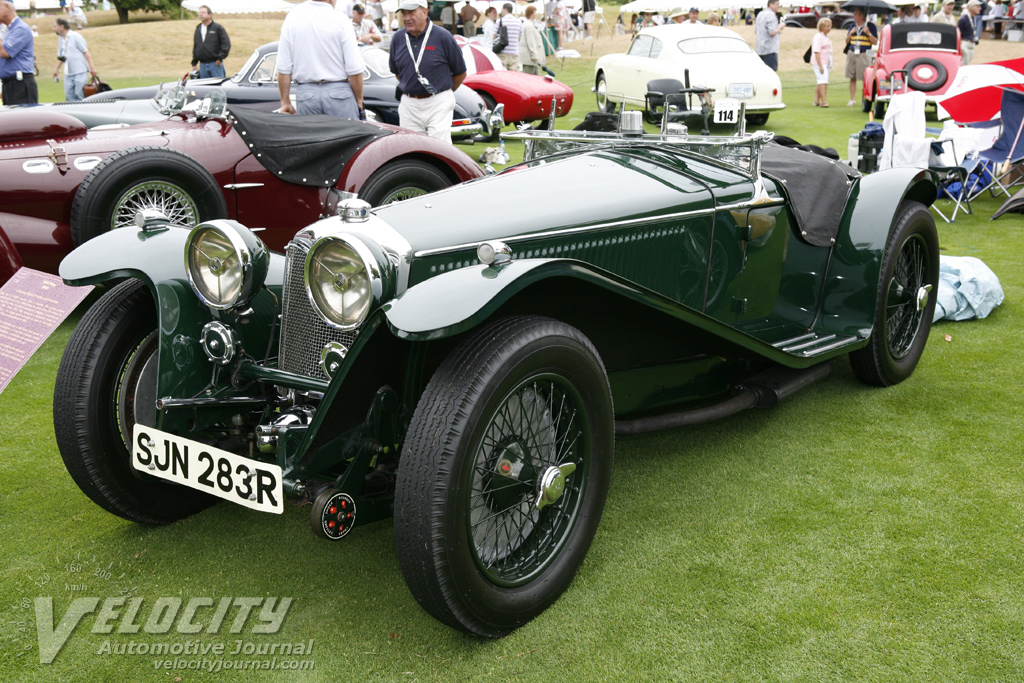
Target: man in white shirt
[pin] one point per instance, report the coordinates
(319, 54)
(366, 31)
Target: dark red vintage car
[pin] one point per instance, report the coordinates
(10, 261)
(64, 184)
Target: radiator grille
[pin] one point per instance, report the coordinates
(303, 332)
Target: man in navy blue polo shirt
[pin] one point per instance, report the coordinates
(429, 66)
(17, 58)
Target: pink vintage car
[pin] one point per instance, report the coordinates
(920, 56)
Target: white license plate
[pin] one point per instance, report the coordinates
(743, 91)
(256, 485)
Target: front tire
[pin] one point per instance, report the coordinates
(502, 422)
(144, 178)
(402, 179)
(907, 287)
(106, 383)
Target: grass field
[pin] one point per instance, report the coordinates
(850, 534)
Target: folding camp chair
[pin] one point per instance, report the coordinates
(1005, 159)
(954, 180)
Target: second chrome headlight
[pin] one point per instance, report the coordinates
(343, 279)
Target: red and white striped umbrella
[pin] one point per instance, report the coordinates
(478, 57)
(977, 91)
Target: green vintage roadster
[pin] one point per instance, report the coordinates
(467, 374)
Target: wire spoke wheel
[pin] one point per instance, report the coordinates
(402, 194)
(907, 287)
(504, 473)
(903, 313)
(538, 427)
(170, 199)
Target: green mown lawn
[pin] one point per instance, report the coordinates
(851, 534)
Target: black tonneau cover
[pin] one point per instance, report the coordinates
(818, 189)
(305, 150)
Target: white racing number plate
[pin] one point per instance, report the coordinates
(256, 485)
(727, 110)
(743, 91)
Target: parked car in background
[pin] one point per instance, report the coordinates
(928, 53)
(469, 376)
(255, 86)
(807, 17)
(706, 56)
(527, 98)
(64, 184)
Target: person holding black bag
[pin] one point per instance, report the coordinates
(506, 42)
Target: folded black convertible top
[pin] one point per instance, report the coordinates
(305, 150)
(818, 189)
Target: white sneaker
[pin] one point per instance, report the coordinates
(851, 103)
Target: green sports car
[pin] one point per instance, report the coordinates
(462, 361)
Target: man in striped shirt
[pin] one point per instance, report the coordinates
(510, 55)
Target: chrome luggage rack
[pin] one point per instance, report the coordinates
(742, 151)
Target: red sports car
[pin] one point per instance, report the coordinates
(64, 184)
(527, 98)
(927, 57)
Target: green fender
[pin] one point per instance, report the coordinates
(459, 300)
(848, 306)
(153, 257)
(158, 259)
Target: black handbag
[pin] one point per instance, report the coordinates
(500, 39)
(807, 56)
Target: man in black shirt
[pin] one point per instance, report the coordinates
(210, 46)
(429, 66)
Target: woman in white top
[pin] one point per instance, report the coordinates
(821, 61)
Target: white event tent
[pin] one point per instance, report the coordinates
(238, 6)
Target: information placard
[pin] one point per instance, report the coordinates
(32, 305)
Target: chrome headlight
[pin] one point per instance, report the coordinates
(344, 280)
(226, 263)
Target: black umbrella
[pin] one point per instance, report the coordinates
(870, 6)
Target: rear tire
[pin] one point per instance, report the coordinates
(757, 119)
(403, 179)
(106, 383)
(903, 309)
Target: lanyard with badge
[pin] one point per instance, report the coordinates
(431, 90)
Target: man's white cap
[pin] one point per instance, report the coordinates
(409, 5)
(679, 12)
